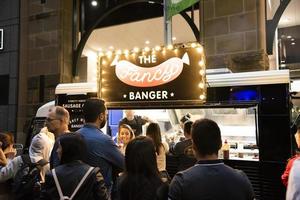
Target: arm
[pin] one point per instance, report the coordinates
(293, 189)
(10, 170)
(100, 191)
(114, 155)
(36, 149)
(176, 187)
(3, 160)
(285, 175)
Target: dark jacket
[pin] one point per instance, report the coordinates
(211, 179)
(69, 175)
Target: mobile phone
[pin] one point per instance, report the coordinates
(18, 146)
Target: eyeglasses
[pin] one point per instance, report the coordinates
(51, 119)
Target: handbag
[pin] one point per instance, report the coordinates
(61, 196)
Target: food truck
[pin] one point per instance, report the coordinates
(251, 108)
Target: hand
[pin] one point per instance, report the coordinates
(3, 160)
(10, 152)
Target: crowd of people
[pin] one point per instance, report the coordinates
(88, 164)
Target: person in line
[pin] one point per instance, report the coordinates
(125, 135)
(161, 148)
(181, 147)
(71, 151)
(285, 175)
(141, 179)
(9, 164)
(136, 122)
(41, 146)
(102, 152)
(210, 178)
(58, 123)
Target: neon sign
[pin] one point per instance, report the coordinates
(154, 77)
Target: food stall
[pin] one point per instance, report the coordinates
(252, 109)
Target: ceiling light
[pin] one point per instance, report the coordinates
(94, 3)
(289, 37)
(173, 38)
(293, 43)
(292, 39)
(147, 42)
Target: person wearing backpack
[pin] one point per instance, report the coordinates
(19, 176)
(73, 179)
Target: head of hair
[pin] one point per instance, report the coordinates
(128, 128)
(153, 131)
(73, 147)
(206, 136)
(6, 139)
(187, 126)
(141, 177)
(185, 118)
(140, 157)
(93, 108)
(62, 114)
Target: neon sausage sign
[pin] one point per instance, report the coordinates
(137, 76)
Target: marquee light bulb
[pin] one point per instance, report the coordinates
(136, 49)
(202, 72)
(201, 85)
(147, 49)
(200, 49)
(193, 45)
(201, 63)
(157, 48)
(170, 47)
(119, 52)
(202, 97)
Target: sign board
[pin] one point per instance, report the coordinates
(1, 39)
(159, 77)
(74, 104)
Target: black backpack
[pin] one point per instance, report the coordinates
(26, 183)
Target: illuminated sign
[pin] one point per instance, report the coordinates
(1, 39)
(162, 76)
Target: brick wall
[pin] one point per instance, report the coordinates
(232, 30)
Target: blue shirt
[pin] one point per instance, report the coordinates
(102, 152)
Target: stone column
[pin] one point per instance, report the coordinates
(45, 54)
(234, 35)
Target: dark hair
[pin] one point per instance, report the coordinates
(141, 176)
(73, 147)
(185, 118)
(206, 136)
(6, 139)
(187, 126)
(93, 108)
(153, 131)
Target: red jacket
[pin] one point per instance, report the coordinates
(286, 173)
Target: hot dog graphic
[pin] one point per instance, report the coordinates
(137, 76)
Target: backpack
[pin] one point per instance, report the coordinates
(61, 196)
(26, 183)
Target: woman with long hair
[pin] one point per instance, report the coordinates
(141, 178)
(125, 135)
(161, 148)
(72, 177)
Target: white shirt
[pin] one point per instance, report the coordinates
(293, 189)
(41, 147)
